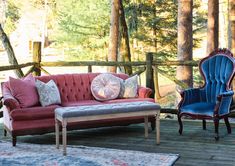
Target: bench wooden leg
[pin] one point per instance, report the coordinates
(64, 133)
(146, 127)
(158, 128)
(57, 134)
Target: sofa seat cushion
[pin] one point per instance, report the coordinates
(128, 100)
(34, 113)
(80, 103)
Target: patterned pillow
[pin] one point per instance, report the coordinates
(105, 87)
(48, 93)
(24, 90)
(129, 87)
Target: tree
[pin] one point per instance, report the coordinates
(213, 25)
(185, 40)
(114, 33)
(83, 28)
(232, 24)
(10, 52)
(125, 51)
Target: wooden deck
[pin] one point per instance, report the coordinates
(195, 146)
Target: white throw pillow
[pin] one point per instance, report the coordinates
(105, 87)
(48, 93)
(129, 87)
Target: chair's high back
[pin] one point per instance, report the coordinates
(217, 70)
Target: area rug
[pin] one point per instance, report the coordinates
(47, 155)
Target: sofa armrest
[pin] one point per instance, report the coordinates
(8, 100)
(11, 104)
(144, 92)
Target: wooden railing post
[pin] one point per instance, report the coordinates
(89, 69)
(156, 84)
(37, 57)
(149, 72)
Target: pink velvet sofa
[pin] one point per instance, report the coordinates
(74, 91)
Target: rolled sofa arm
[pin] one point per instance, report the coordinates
(144, 92)
(8, 100)
(11, 104)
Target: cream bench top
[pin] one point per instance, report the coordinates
(69, 112)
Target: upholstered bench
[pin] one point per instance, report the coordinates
(105, 111)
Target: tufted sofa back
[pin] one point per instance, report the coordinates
(75, 87)
(218, 71)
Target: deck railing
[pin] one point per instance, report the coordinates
(151, 67)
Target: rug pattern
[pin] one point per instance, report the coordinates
(47, 155)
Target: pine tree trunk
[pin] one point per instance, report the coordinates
(10, 52)
(232, 28)
(213, 26)
(114, 33)
(185, 41)
(125, 44)
(232, 24)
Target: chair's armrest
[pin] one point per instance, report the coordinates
(225, 94)
(223, 103)
(144, 92)
(189, 96)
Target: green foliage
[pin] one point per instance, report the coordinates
(84, 24)
(12, 16)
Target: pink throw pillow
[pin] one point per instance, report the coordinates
(105, 87)
(24, 90)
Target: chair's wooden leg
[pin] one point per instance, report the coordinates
(13, 140)
(204, 124)
(180, 125)
(216, 123)
(5, 132)
(227, 125)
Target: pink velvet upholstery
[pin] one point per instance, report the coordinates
(74, 91)
(80, 103)
(34, 113)
(24, 90)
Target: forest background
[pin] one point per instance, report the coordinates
(79, 30)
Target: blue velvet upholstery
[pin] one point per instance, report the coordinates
(213, 100)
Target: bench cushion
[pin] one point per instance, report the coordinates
(68, 112)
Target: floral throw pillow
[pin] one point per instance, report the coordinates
(105, 87)
(48, 93)
(129, 87)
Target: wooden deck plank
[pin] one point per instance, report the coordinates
(195, 146)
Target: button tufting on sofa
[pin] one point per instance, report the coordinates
(74, 93)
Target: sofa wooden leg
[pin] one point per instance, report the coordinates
(216, 123)
(204, 124)
(5, 132)
(180, 125)
(153, 125)
(227, 125)
(13, 140)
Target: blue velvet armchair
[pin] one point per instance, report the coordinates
(213, 100)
